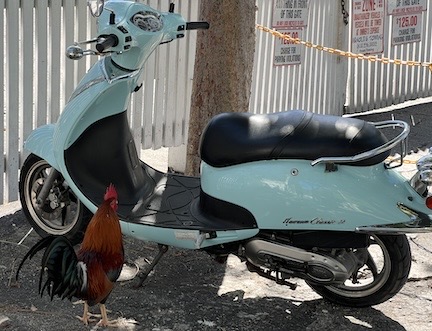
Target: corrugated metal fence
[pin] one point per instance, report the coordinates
(37, 78)
(374, 85)
(318, 83)
(330, 84)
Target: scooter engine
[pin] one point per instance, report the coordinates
(290, 261)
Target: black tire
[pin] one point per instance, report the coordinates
(61, 213)
(384, 282)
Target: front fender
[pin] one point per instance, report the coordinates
(40, 143)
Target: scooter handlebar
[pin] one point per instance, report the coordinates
(107, 42)
(197, 25)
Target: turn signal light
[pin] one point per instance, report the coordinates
(424, 166)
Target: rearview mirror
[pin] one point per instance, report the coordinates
(96, 7)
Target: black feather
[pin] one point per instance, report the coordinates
(43, 288)
(41, 244)
(59, 274)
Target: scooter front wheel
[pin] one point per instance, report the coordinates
(382, 276)
(61, 213)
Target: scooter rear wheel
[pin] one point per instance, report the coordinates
(382, 276)
(61, 213)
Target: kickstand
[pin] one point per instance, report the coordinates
(268, 274)
(143, 276)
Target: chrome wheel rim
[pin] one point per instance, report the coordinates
(60, 211)
(371, 277)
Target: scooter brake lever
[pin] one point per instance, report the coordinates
(94, 40)
(75, 52)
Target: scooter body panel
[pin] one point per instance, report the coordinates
(293, 195)
(95, 98)
(186, 239)
(40, 143)
(136, 56)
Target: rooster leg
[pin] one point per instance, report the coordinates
(104, 321)
(86, 315)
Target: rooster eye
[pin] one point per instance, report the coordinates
(114, 204)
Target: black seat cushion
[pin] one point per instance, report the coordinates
(234, 138)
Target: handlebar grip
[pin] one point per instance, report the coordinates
(197, 25)
(107, 42)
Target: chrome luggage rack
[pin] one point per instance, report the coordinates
(400, 139)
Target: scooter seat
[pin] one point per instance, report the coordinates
(234, 138)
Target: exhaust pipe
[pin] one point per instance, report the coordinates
(298, 262)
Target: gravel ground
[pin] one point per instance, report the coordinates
(189, 291)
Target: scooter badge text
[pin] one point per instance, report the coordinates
(316, 220)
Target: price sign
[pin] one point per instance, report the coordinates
(368, 26)
(398, 7)
(287, 52)
(289, 14)
(406, 28)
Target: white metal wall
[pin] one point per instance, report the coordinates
(330, 84)
(318, 84)
(375, 85)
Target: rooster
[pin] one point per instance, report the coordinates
(90, 273)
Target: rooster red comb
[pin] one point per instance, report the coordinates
(110, 193)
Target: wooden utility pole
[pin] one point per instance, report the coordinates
(223, 67)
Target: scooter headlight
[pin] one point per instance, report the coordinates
(148, 21)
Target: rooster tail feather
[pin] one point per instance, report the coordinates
(59, 266)
(40, 290)
(45, 286)
(67, 284)
(69, 293)
(41, 244)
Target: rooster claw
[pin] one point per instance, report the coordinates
(86, 320)
(112, 323)
(121, 323)
(103, 323)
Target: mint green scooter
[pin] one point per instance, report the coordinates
(292, 194)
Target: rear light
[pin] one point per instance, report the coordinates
(429, 202)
